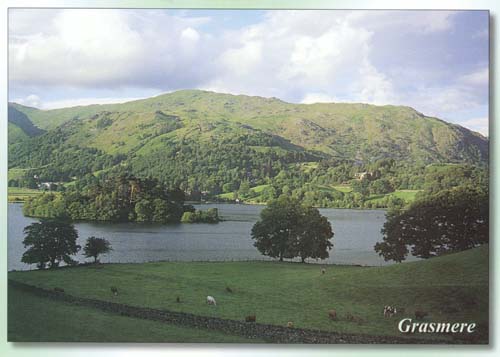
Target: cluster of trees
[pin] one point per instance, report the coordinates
(220, 165)
(289, 229)
(233, 160)
(119, 199)
(211, 215)
(55, 160)
(451, 214)
(52, 242)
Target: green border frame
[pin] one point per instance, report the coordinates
(97, 350)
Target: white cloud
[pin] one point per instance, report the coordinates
(296, 54)
(31, 100)
(311, 98)
(477, 124)
(85, 101)
(105, 48)
(190, 34)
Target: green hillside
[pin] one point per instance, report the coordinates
(342, 130)
(216, 143)
(20, 126)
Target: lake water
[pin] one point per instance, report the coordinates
(356, 232)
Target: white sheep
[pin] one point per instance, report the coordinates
(211, 300)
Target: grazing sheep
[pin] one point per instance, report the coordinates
(323, 271)
(289, 324)
(211, 300)
(389, 311)
(114, 290)
(58, 290)
(419, 314)
(250, 318)
(178, 299)
(228, 289)
(332, 314)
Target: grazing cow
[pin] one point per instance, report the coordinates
(389, 311)
(58, 290)
(211, 300)
(114, 290)
(178, 299)
(323, 271)
(250, 318)
(332, 314)
(419, 314)
(289, 324)
(228, 289)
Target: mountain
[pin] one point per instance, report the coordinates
(206, 140)
(20, 126)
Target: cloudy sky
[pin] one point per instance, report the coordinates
(433, 61)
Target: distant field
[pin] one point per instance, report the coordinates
(407, 195)
(16, 174)
(451, 288)
(343, 188)
(226, 196)
(16, 194)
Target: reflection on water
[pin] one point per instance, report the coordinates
(356, 232)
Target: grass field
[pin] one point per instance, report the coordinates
(343, 188)
(451, 288)
(37, 319)
(16, 194)
(407, 195)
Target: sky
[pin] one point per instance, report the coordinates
(433, 61)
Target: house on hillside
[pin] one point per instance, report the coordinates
(363, 175)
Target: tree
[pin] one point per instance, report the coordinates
(95, 247)
(450, 221)
(381, 186)
(244, 189)
(287, 229)
(361, 186)
(314, 234)
(50, 242)
(144, 211)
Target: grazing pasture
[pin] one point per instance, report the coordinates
(278, 293)
(38, 319)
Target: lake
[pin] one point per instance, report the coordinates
(356, 232)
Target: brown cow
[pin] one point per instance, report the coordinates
(250, 318)
(332, 314)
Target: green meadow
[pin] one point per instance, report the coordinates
(453, 287)
(21, 194)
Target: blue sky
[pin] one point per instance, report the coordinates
(433, 61)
